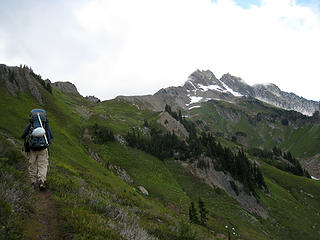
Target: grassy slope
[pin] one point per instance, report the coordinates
(294, 203)
(302, 142)
(223, 210)
(95, 203)
(119, 116)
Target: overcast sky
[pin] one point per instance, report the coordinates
(132, 47)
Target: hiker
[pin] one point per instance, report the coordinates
(37, 138)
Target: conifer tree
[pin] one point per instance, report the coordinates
(203, 212)
(167, 108)
(193, 215)
(259, 179)
(180, 116)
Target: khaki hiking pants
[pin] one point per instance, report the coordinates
(38, 165)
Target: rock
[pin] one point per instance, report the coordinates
(86, 135)
(66, 87)
(143, 190)
(35, 92)
(93, 99)
(172, 125)
(121, 173)
(18, 79)
(120, 139)
(222, 180)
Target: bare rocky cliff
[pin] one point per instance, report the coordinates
(66, 87)
(223, 181)
(23, 79)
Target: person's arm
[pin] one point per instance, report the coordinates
(48, 131)
(26, 131)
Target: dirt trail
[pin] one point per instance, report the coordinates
(44, 223)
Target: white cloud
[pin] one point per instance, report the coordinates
(114, 47)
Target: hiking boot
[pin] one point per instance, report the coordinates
(41, 186)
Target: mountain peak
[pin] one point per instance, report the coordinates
(205, 78)
(271, 87)
(202, 86)
(232, 78)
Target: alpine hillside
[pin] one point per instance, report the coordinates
(207, 160)
(255, 116)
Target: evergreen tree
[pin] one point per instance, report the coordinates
(49, 88)
(167, 108)
(203, 212)
(277, 151)
(180, 116)
(193, 215)
(259, 179)
(145, 123)
(289, 157)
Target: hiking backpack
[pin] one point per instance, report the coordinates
(38, 124)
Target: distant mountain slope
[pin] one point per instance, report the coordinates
(255, 116)
(202, 86)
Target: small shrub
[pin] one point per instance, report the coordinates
(102, 134)
(11, 76)
(285, 122)
(185, 232)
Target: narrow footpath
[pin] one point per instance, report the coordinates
(44, 223)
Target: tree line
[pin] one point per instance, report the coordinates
(276, 157)
(167, 145)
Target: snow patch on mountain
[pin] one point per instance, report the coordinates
(234, 93)
(215, 87)
(194, 99)
(190, 81)
(211, 87)
(197, 106)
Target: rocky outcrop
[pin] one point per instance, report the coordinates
(172, 125)
(143, 190)
(121, 173)
(237, 85)
(22, 79)
(67, 88)
(35, 92)
(93, 99)
(222, 180)
(272, 95)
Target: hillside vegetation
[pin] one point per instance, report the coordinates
(94, 176)
(252, 123)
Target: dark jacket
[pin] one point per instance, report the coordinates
(49, 134)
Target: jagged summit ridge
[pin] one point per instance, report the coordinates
(203, 86)
(206, 81)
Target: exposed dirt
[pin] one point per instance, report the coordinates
(44, 223)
